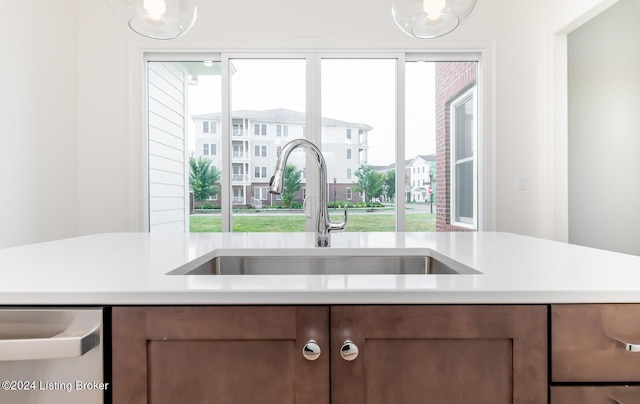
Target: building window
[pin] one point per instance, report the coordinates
(205, 149)
(260, 193)
(260, 151)
(260, 129)
(213, 149)
(208, 127)
(238, 129)
(238, 150)
(278, 151)
(349, 193)
(282, 130)
(463, 145)
(348, 173)
(348, 154)
(238, 195)
(348, 133)
(260, 172)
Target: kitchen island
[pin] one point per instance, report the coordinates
(528, 320)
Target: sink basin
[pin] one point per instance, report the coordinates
(325, 265)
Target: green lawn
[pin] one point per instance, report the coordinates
(295, 222)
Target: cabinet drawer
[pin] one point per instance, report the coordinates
(595, 395)
(586, 343)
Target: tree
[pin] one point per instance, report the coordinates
(203, 178)
(291, 184)
(369, 182)
(389, 184)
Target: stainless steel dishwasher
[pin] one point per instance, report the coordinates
(51, 356)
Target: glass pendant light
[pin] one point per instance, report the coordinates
(157, 19)
(430, 18)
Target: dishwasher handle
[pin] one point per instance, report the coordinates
(73, 342)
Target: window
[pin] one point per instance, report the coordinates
(260, 193)
(260, 172)
(282, 130)
(238, 195)
(238, 129)
(260, 151)
(463, 172)
(238, 150)
(354, 104)
(260, 129)
(208, 127)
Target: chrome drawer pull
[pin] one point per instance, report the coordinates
(627, 345)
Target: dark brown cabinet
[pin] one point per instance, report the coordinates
(226, 355)
(440, 354)
(595, 353)
(394, 354)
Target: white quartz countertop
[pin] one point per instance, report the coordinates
(131, 268)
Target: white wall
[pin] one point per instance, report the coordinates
(517, 44)
(38, 121)
(109, 164)
(604, 134)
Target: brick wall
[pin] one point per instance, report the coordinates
(452, 79)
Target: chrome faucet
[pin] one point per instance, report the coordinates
(324, 226)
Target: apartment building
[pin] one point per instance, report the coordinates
(420, 178)
(257, 137)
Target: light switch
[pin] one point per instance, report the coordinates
(521, 183)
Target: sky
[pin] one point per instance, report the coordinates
(352, 90)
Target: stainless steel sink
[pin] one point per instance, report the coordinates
(325, 265)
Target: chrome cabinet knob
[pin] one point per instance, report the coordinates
(349, 350)
(311, 350)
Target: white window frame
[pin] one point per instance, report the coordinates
(465, 222)
(482, 53)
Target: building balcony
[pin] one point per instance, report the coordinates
(240, 178)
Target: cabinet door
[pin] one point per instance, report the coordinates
(440, 354)
(226, 355)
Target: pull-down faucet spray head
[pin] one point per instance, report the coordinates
(276, 185)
